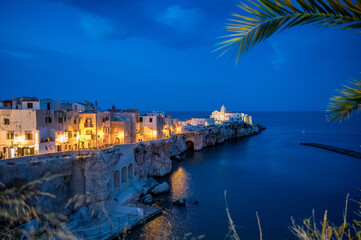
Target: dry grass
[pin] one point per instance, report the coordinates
(17, 207)
(308, 231)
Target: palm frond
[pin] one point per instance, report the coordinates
(263, 18)
(347, 103)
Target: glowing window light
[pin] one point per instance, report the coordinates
(19, 140)
(36, 141)
(62, 138)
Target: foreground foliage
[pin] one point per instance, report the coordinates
(347, 103)
(267, 17)
(309, 230)
(263, 18)
(18, 206)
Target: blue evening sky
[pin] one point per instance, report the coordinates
(150, 54)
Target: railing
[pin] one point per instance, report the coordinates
(103, 231)
(108, 229)
(88, 125)
(27, 227)
(9, 233)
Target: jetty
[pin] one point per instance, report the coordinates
(334, 149)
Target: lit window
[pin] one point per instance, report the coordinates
(10, 135)
(28, 136)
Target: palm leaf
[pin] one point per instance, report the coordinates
(265, 17)
(347, 103)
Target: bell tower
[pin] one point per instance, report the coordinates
(223, 109)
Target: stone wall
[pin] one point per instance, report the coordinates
(89, 174)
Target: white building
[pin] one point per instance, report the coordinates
(230, 116)
(203, 121)
(21, 103)
(29, 131)
(150, 126)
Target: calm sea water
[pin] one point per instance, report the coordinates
(269, 173)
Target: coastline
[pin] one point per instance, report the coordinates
(91, 174)
(162, 200)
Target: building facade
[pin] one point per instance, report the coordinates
(150, 126)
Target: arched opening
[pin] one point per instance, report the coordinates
(130, 171)
(117, 178)
(117, 141)
(190, 145)
(124, 175)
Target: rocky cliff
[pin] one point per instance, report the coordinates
(154, 158)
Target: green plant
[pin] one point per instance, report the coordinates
(263, 18)
(347, 103)
(268, 17)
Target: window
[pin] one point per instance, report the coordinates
(48, 120)
(88, 132)
(117, 178)
(124, 175)
(150, 119)
(140, 119)
(69, 134)
(88, 120)
(10, 135)
(28, 136)
(60, 120)
(74, 120)
(130, 170)
(6, 121)
(30, 105)
(64, 118)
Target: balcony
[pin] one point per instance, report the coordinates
(88, 125)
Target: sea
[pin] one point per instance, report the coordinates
(270, 174)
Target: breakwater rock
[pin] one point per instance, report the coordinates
(334, 149)
(155, 158)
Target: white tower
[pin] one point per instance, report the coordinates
(223, 109)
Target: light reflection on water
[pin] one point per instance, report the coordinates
(170, 222)
(180, 184)
(159, 228)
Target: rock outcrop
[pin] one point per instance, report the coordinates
(160, 189)
(154, 158)
(180, 202)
